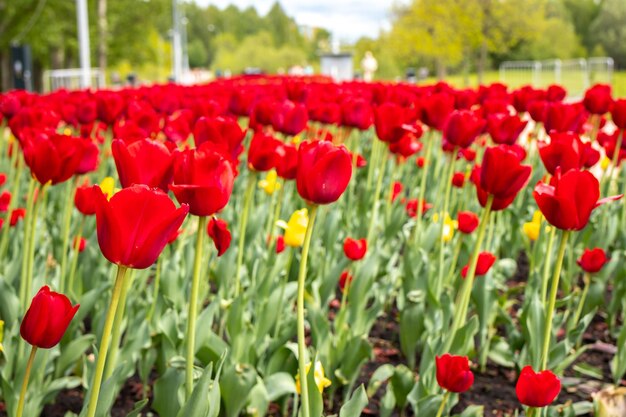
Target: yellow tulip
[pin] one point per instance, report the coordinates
(448, 226)
(270, 183)
(295, 229)
(605, 163)
(320, 379)
(108, 187)
(532, 228)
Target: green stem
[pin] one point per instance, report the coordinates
(372, 163)
(274, 202)
(242, 228)
(74, 264)
(104, 341)
(26, 248)
(67, 218)
(304, 392)
(614, 162)
(422, 193)
(379, 183)
(31, 239)
(116, 336)
(155, 292)
(4, 244)
(595, 126)
(583, 298)
(279, 308)
(29, 366)
(455, 259)
(546, 267)
(443, 403)
(442, 219)
(532, 411)
(193, 304)
(463, 298)
(394, 174)
(553, 292)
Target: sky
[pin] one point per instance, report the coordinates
(348, 20)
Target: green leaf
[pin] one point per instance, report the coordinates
(355, 405)
(198, 403)
(167, 402)
(235, 386)
(279, 384)
(138, 408)
(72, 352)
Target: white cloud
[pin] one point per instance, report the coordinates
(346, 19)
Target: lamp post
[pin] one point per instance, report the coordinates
(83, 43)
(177, 53)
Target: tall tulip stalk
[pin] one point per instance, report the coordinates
(133, 229)
(323, 174)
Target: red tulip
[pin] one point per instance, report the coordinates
(501, 175)
(354, 249)
(287, 165)
(50, 156)
(203, 179)
(468, 221)
(485, 262)
(136, 224)
(436, 109)
(261, 114)
(555, 93)
(453, 373)
(565, 150)
(225, 134)
(80, 242)
(407, 145)
(597, 99)
(412, 207)
(564, 117)
(504, 128)
(462, 128)
(47, 318)
(591, 155)
(458, 179)
(345, 279)
(537, 389)
(85, 199)
(16, 215)
(538, 110)
(618, 113)
(280, 244)
(265, 152)
(397, 189)
(392, 121)
(569, 199)
(592, 260)
(420, 162)
(325, 112)
(323, 172)
(219, 233)
(609, 142)
(145, 161)
(524, 96)
(357, 112)
(5, 200)
(90, 160)
(290, 118)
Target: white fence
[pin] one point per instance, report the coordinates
(576, 75)
(70, 79)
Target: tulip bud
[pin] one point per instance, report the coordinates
(47, 318)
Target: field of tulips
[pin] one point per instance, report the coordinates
(413, 250)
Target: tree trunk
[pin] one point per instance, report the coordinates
(441, 69)
(102, 35)
(5, 71)
(482, 62)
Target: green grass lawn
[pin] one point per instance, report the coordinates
(573, 81)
